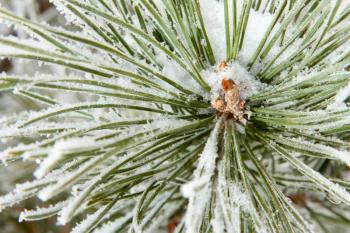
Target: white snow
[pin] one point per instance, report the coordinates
(73, 206)
(15, 197)
(174, 71)
(257, 26)
(230, 198)
(87, 223)
(113, 226)
(67, 179)
(247, 84)
(217, 222)
(41, 213)
(59, 150)
(339, 100)
(213, 16)
(198, 191)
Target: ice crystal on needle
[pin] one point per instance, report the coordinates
(207, 112)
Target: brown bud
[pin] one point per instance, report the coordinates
(223, 65)
(218, 104)
(227, 84)
(173, 223)
(242, 105)
(298, 199)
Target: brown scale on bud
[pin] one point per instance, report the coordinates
(228, 84)
(222, 66)
(228, 102)
(298, 199)
(218, 104)
(173, 223)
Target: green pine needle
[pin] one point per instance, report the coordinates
(138, 142)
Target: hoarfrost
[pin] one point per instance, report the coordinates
(339, 100)
(41, 213)
(59, 150)
(88, 222)
(114, 226)
(198, 190)
(213, 15)
(247, 84)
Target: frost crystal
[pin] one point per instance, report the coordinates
(190, 116)
(198, 190)
(246, 83)
(340, 99)
(60, 150)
